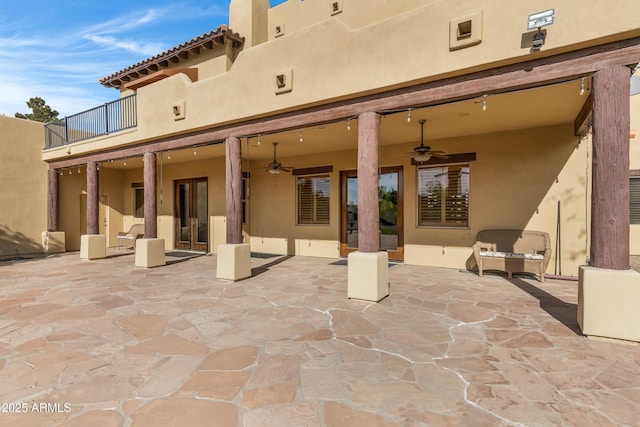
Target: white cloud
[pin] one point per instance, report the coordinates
(61, 61)
(144, 48)
(124, 23)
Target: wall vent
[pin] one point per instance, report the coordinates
(284, 81)
(465, 31)
(336, 7)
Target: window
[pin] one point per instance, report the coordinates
(443, 196)
(634, 199)
(138, 211)
(245, 199)
(313, 200)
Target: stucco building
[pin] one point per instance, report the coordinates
(23, 197)
(300, 129)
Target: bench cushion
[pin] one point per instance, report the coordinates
(510, 255)
(513, 251)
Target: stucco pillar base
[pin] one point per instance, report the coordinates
(234, 261)
(150, 253)
(93, 246)
(368, 275)
(53, 242)
(609, 303)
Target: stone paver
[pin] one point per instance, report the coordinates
(104, 343)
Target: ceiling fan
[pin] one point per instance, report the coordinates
(276, 167)
(423, 153)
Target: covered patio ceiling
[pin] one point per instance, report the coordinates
(526, 109)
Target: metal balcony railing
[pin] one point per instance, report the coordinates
(109, 118)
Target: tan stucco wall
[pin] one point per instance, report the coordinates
(72, 205)
(249, 19)
(72, 187)
(516, 182)
(212, 169)
(519, 176)
(361, 50)
(23, 198)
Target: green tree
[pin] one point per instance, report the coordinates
(41, 112)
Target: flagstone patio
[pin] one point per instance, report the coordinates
(102, 343)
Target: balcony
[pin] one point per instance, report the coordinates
(106, 119)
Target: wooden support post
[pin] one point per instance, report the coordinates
(368, 209)
(610, 160)
(150, 199)
(52, 201)
(234, 190)
(92, 198)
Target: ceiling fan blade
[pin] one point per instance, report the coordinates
(438, 155)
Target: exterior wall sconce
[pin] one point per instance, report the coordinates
(538, 40)
(539, 20)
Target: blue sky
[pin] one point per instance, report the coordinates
(58, 50)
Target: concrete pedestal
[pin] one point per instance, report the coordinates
(368, 276)
(93, 246)
(150, 253)
(53, 242)
(234, 261)
(609, 303)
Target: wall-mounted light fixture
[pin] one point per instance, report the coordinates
(582, 87)
(537, 21)
(540, 19)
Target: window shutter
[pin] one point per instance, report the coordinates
(139, 201)
(443, 196)
(313, 200)
(457, 205)
(634, 200)
(322, 200)
(430, 194)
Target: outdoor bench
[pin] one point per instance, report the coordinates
(513, 251)
(128, 239)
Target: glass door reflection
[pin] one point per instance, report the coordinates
(191, 214)
(390, 203)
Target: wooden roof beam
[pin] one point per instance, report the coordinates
(529, 74)
(192, 73)
(584, 118)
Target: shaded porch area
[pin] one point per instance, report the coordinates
(286, 347)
